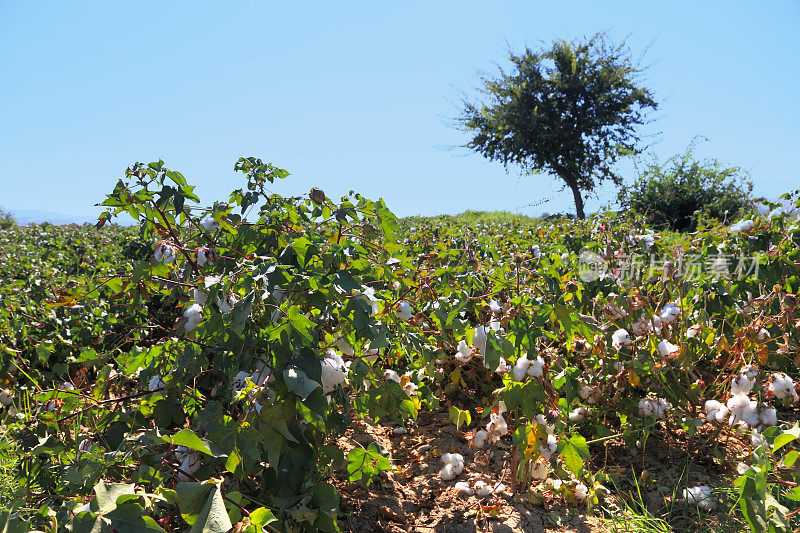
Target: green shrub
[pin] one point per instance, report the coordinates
(7, 220)
(682, 190)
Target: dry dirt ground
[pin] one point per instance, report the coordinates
(413, 498)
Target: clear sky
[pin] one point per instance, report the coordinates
(359, 96)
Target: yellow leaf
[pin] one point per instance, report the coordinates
(633, 377)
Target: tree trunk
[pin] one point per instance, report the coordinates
(576, 193)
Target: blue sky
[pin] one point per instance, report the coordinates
(360, 95)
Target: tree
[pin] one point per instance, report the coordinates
(676, 193)
(571, 111)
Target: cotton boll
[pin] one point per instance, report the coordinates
(548, 447)
(67, 386)
(620, 338)
(667, 349)
(751, 371)
(669, 313)
(225, 305)
(199, 297)
(189, 465)
(657, 408)
(462, 487)
(700, 496)
(495, 307)
(391, 375)
(565, 257)
(581, 491)
(399, 431)
(782, 386)
(743, 226)
(483, 489)
(480, 337)
(763, 335)
(404, 311)
(741, 384)
(210, 225)
(464, 353)
(193, 315)
(539, 470)
(6, 397)
(410, 388)
(757, 439)
(521, 367)
(502, 367)
(614, 312)
(333, 371)
(589, 394)
(479, 440)
(535, 369)
(156, 384)
(768, 416)
(712, 408)
(579, 414)
(239, 382)
(694, 331)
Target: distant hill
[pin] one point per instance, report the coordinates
(28, 216)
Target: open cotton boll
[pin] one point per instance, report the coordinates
(479, 440)
(483, 489)
(767, 416)
(757, 439)
(210, 225)
(495, 307)
(156, 384)
(743, 226)
(614, 312)
(193, 315)
(565, 257)
(502, 367)
(694, 331)
(716, 411)
(462, 487)
(164, 252)
(620, 338)
(410, 388)
(404, 311)
(480, 337)
(239, 382)
(655, 407)
(367, 294)
(189, 465)
(521, 367)
(6, 397)
(536, 367)
(581, 491)
(199, 297)
(391, 375)
(334, 371)
(700, 496)
(579, 414)
(667, 349)
(763, 335)
(741, 384)
(782, 386)
(589, 394)
(539, 470)
(464, 353)
(669, 313)
(226, 305)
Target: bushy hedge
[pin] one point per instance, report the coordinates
(681, 191)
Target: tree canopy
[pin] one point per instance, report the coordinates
(571, 110)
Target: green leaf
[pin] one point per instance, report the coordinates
(459, 417)
(785, 437)
(202, 506)
(188, 438)
(299, 383)
(574, 452)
